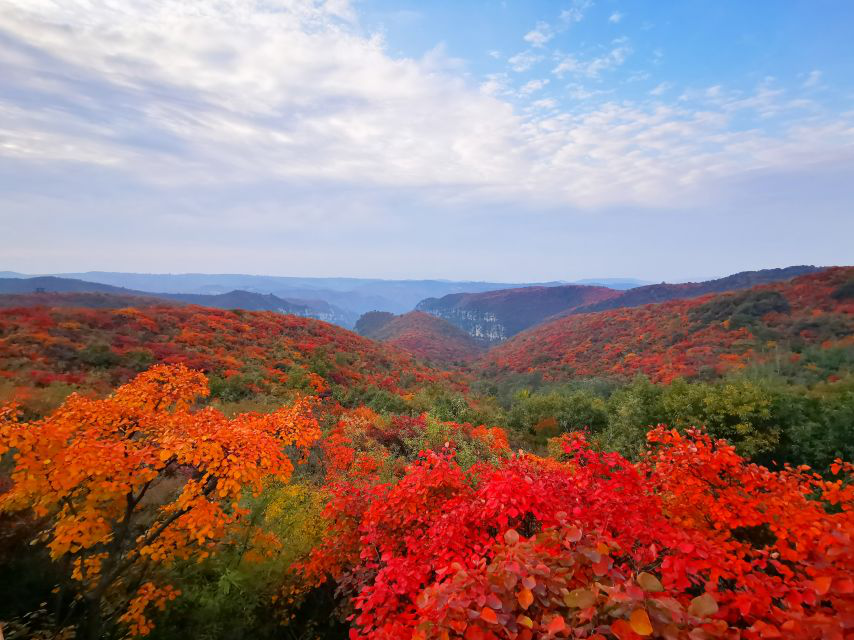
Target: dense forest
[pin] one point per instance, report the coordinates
(678, 470)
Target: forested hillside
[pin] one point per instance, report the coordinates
(675, 470)
(45, 353)
(648, 294)
(804, 327)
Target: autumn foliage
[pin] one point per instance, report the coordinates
(134, 482)
(155, 499)
(683, 338)
(245, 352)
(694, 542)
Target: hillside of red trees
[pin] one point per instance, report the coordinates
(706, 335)
(245, 352)
(372, 496)
(428, 338)
(649, 294)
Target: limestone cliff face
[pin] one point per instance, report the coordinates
(494, 316)
(481, 325)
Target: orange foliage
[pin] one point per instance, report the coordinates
(139, 479)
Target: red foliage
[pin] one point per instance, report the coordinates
(41, 345)
(595, 547)
(673, 339)
(429, 338)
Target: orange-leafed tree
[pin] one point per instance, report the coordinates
(133, 482)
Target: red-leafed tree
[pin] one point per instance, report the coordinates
(592, 546)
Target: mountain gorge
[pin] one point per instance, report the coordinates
(494, 316)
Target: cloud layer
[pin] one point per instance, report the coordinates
(292, 114)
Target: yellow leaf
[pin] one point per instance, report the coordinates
(703, 606)
(649, 582)
(579, 598)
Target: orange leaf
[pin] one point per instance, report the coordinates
(488, 615)
(556, 625)
(822, 584)
(525, 598)
(640, 623)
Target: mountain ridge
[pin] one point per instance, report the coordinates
(247, 300)
(522, 308)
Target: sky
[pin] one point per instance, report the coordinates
(505, 141)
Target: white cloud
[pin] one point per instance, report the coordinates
(594, 67)
(297, 107)
(496, 84)
(523, 61)
(540, 35)
(615, 17)
(533, 85)
(813, 79)
(575, 12)
(545, 103)
(661, 88)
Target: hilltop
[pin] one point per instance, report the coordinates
(235, 299)
(425, 336)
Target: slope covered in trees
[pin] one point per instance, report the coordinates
(160, 518)
(807, 322)
(428, 337)
(51, 351)
(229, 474)
(638, 296)
(495, 316)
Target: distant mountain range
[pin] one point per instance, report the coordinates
(489, 312)
(236, 299)
(495, 316)
(560, 331)
(353, 295)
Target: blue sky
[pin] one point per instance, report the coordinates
(509, 141)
